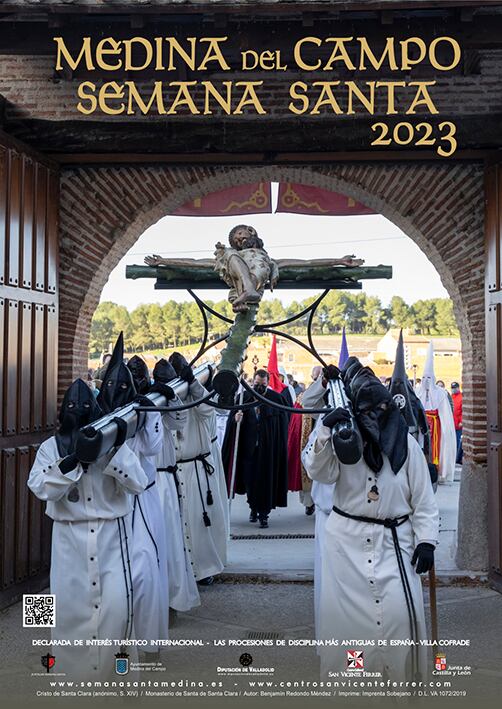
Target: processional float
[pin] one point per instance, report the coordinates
(245, 267)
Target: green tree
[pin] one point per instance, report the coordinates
(336, 310)
(101, 336)
(424, 316)
(399, 312)
(355, 311)
(375, 321)
(193, 323)
(445, 317)
(141, 338)
(171, 323)
(156, 323)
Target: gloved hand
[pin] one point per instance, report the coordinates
(433, 471)
(187, 374)
(423, 557)
(143, 400)
(121, 431)
(66, 465)
(164, 389)
(337, 416)
(330, 372)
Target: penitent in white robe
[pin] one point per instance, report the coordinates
(436, 403)
(362, 596)
(322, 497)
(207, 545)
(149, 547)
(436, 399)
(218, 479)
(183, 591)
(91, 551)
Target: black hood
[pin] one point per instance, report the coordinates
(140, 374)
(178, 362)
(164, 372)
(400, 388)
(403, 395)
(351, 367)
(382, 427)
(79, 408)
(117, 386)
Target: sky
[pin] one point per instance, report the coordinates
(371, 237)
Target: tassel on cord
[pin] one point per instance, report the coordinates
(208, 470)
(206, 519)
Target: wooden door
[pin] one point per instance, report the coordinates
(493, 288)
(29, 195)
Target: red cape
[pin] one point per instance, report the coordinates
(294, 451)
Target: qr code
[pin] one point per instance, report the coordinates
(39, 611)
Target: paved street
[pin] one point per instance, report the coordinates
(255, 551)
(266, 594)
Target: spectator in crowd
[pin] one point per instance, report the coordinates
(441, 384)
(288, 394)
(456, 396)
(100, 372)
(292, 381)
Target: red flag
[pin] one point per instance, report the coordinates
(305, 199)
(241, 199)
(274, 380)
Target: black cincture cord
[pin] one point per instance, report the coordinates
(127, 580)
(393, 524)
(208, 470)
(138, 504)
(173, 469)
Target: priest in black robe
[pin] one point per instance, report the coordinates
(261, 469)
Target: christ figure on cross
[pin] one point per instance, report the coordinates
(246, 267)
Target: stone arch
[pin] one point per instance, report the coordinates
(438, 205)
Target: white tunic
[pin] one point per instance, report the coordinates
(362, 596)
(90, 565)
(221, 424)
(322, 497)
(218, 479)
(183, 591)
(206, 545)
(149, 557)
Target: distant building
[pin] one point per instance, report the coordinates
(415, 347)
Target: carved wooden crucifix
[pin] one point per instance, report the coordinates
(247, 269)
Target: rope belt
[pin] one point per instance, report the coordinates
(393, 524)
(150, 485)
(137, 503)
(173, 469)
(208, 470)
(213, 440)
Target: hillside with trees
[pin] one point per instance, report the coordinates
(153, 326)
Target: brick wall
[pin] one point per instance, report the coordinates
(439, 206)
(36, 94)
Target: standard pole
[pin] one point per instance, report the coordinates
(234, 460)
(433, 602)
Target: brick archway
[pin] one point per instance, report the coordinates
(439, 206)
